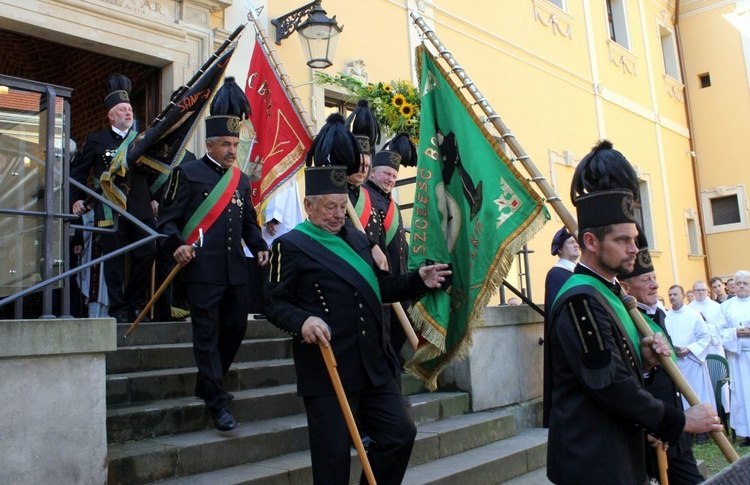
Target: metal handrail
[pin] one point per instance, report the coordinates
(152, 235)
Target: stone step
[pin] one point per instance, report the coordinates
(539, 476)
(156, 385)
(185, 454)
(186, 414)
(153, 333)
(488, 464)
(164, 356)
(433, 439)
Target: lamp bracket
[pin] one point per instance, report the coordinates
(287, 24)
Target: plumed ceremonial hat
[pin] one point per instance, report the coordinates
(329, 179)
(402, 144)
(116, 91)
(364, 126)
(604, 188)
(228, 108)
(335, 145)
(559, 239)
(387, 158)
(643, 263)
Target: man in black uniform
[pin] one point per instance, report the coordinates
(324, 286)
(642, 285)
(383, 176)
(212, 194)
(599, 410)
(97, 153)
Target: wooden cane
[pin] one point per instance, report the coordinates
(331, 365)
(397, 308)
(153, 299)
(661, 458)
(153, 286)
(674, 372)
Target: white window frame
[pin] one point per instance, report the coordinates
(693, 232)
(619, 22)
(561, 4)
(647, 218)
(670, 59)
(724, 191)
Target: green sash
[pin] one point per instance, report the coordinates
(338, 247)
(617, 305)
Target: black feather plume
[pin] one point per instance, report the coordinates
(362, 121)
(335, 145)
(604, 168)
(230, 100)
(403, 145)
(117, 82)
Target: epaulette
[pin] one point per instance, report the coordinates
(597, 365)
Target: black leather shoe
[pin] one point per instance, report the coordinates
(260, 316)
(223, 420)
(146, 318)
(121, 317)
(745, 443)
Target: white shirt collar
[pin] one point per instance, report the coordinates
(565, 264)
(119, 131)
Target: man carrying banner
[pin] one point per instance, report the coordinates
(98, 152)
(324, 287)
(383, 175)
(599, 411)
(213, 195)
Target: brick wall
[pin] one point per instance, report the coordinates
(86, 73)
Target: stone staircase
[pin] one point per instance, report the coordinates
(157, 431)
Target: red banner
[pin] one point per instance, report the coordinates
(282, 140)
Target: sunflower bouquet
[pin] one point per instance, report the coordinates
(395, 104)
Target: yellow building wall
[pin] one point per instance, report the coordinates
(721, 114)
(560, 86)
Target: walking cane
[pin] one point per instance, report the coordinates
(331, 365)
(674, 372)
(198, 243)
(661, 458)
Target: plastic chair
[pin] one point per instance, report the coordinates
(718, 369)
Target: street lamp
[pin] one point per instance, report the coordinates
(318, 33)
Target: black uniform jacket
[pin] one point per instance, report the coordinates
(308, 280)
(397, 249)
(599, 408)
(97, 152)
(220, 260)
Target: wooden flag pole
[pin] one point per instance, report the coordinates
(265, 41)
(567, 218)
(674, 372)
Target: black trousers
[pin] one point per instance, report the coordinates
(382, 416)
(124, 298)
(219, 318)
(257, 279)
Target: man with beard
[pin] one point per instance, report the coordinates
(641, 284)
(213, 195)
(98, 152)
(599, 412)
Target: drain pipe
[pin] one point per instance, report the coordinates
(693, 154)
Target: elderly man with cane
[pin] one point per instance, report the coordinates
(325, 289)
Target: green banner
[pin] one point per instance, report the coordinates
(472, 209)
